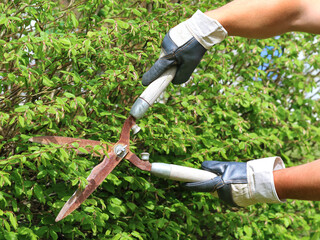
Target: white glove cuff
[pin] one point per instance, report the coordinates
(260, 179)
(206, 30)
(260, 188)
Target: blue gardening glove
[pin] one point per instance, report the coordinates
(184, 47)
(185, 57)
(241, 184)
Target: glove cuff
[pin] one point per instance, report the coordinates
(260, 188)
(206, 30)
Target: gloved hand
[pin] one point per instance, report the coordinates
(184, 47)
(242, 184)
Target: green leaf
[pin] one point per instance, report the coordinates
(132, 206)
(11, 236)
(21, 121)
(137, 235)
(91, 34)
(82, 118)
(315, 236)
(74, 69)
(74, 20)
(42, 174)
(39, 193)
(242, 145)
(109, 20)
(123, 24)
(64, 154)
(65, 41)
(53, 234)
(137, 12)
(248, 231)
(22, 108)
(83, 150)
(13, 220)
(3, 19)
(24, 231)
(47, 82)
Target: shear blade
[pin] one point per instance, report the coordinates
(96, 177)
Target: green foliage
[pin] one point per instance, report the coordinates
(75, 71)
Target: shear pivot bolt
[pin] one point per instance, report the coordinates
(145, 156)
(120, 150)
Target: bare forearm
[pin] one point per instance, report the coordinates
(267, 18)
(300, 182)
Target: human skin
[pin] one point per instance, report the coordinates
(264, 19)
(299, 182)
(267, 18)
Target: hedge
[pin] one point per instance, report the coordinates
(74, 69)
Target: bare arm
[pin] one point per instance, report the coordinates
(300, 182)
(267, 18)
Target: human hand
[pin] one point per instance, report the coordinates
(241, 184)
(184, 47)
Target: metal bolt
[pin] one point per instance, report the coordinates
(145, 156)
(120, 150)
(135, 128)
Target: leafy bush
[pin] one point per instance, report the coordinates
(74, 70)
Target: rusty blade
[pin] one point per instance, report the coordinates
(67, 141)
(96, 177)
(100, 172)
(143, 165)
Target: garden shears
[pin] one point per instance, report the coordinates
(114, 153)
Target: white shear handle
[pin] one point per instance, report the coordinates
(180, 173)
(151, 93)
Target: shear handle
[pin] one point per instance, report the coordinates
(180, 173)
(152, 92)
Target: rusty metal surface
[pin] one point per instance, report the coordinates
(99, 173)
(102, 170)
(143, 165)
(67, 142)
(96, 177)
(125, 132)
